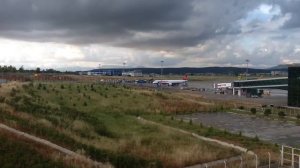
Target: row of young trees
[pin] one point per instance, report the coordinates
(11, 68)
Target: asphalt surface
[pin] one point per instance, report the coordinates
(281, 132)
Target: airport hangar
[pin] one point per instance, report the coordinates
(290, 83)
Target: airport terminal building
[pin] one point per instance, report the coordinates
(294, 87)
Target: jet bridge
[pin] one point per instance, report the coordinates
(243, 86)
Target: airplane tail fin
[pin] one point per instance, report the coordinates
(185, 77)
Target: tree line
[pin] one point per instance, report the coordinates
(12, 69)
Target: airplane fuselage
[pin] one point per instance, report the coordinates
(170, 82)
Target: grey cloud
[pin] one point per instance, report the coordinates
(198, 32)
(292, 7)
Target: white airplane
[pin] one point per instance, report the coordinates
(172, 82)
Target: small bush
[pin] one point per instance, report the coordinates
(267, 112)
(13, 92)
(241, 107)
(84, 104)
(209, 132)
(39, 86)
(281, 114)
(253, 110)
(191, 122)
(2, 99)
(181, 120)
(298, 116)
(201, 125)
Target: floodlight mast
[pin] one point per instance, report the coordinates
(161, 69)
(247, 62)
(161, 72)
(124, 65)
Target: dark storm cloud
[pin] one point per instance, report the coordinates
(178, 23)
(85, 21)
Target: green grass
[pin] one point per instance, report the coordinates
(101, 120)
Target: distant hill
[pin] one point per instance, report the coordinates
(283, 66)
(204, 70)
(280, 67)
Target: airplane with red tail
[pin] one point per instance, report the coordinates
(182, 82)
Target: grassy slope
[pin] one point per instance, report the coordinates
(100, 120)
(16, 153)
(261, 148)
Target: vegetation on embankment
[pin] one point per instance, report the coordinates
(260, 147)
(17, 153)
(100, 121)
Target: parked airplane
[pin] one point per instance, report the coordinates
(172, 82)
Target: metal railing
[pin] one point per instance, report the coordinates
(290, 157)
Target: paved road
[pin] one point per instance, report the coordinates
(280, 132)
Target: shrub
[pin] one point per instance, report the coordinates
(241, 107)
(267, 112)
(62, 86)
(209, 132)
(191, 122)
(281, 114)
(2, 99)
(39, 86)
(298, 116)
(84, 104)
(13, 92)
(201, 125)
(253, 110)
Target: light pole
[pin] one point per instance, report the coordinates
(99, 70)
(124, 64)
(161, 69)
(247, 62)
(161, 73)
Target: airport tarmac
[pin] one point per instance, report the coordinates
(276, 131)
(276, 97)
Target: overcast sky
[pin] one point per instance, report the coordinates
(141, 33)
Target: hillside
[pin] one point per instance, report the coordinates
(100, 121)
(283, 66)
(14, 152)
